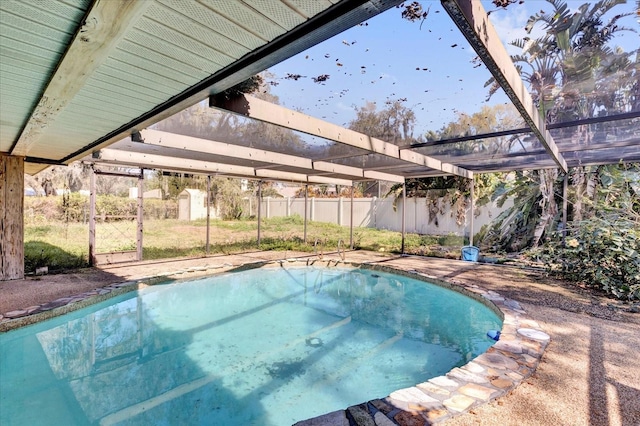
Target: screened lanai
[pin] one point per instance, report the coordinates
(593, 119)
(91, 80)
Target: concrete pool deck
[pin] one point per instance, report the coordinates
(589, 373)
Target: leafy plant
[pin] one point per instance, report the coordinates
(73, 207)
(227, 195)
(603, 248)
(603, 253)
(452, 190)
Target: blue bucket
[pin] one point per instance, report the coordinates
(470, 253)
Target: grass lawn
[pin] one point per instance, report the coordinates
(60, 245)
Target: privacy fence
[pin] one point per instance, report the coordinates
(422, 217)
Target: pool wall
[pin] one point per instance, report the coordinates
(487, 377)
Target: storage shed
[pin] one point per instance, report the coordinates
(192, 205)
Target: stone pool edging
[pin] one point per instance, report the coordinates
(490, 375)
(64, 305)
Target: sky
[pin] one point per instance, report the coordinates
(428, 65)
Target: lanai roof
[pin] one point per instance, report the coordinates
(76, 76)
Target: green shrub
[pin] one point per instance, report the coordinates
(451, 240)
(110, 205)
(160, 209)
(73, 207)
(600, 253)
(38, 254)
(41, 209)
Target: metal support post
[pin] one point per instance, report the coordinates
(259, 208)
(140, 215)
(351, 221)
(306, 206)
(92, 218)
(472, 213)
(208, 213)
(404, 209)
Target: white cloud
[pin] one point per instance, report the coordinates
(343, 107)
(509, 25)
(386, 76)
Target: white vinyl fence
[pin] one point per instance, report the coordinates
(379, 213)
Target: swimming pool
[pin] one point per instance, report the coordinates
(265, 346)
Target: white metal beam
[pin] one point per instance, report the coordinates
(188, 143)
(155, 161)
(473, 22)
(198, 145)
(372, 174)
(300, 177)
(103, 28)
(161, 162)
(258, 109)
(337, 168)
(330, 180)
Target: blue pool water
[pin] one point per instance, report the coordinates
(260, 347)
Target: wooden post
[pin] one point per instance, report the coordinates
(209, 212)
(140, 215)
(11, 217)
(92, 218)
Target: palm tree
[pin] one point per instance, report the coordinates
(572, 73)
(565, 66)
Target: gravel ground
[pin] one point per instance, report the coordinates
(589, 374)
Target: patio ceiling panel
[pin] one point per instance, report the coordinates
(239, 12)
(130, 69)
(33, 39)
(311, 7)
(103, 28)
